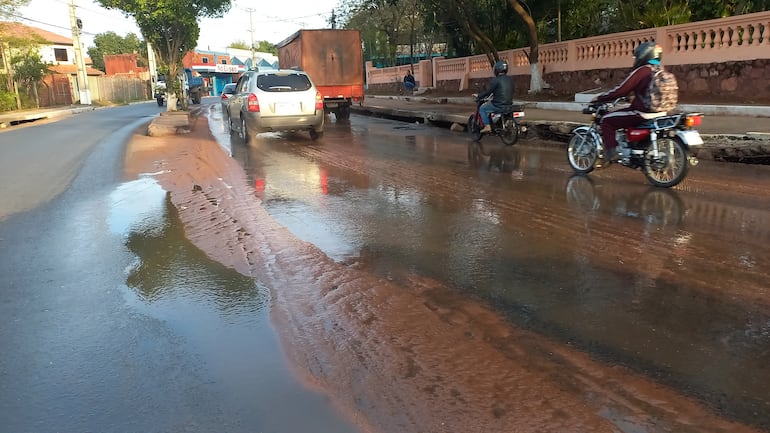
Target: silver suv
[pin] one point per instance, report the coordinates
(275, 100)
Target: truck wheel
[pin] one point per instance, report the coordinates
(343, 113)
(315, 135)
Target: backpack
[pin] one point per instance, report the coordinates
(663, 92)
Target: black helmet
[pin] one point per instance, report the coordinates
(501, 67)
(645, 53)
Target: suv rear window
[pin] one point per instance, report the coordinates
(283, 83)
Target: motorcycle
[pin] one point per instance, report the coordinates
(659, 146)
(507, 125)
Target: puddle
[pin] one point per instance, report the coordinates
(222, 315)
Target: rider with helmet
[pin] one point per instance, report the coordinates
(636, 83)
(501, 87)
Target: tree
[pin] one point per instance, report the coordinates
(11, 47)
(536, 78)
(111, 43)
(29, 69)
(171, 27)
(239, 45)
(9, 7)
(266, 47)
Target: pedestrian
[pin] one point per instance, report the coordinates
(409, 83)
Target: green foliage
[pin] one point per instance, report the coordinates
(29, 67)
(266, 47)
(7, 101)
(111, 43)
(239, 45)
(644, 14)
(9, 7)
(171, 26)
(383, 24)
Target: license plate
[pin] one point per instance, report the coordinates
(285, 108)
(691, 138)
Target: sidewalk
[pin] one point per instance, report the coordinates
(731, 133)
(16, 117)
(729, 120)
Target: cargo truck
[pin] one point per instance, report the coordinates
(334, 61)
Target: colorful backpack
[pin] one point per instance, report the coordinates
(663, 92)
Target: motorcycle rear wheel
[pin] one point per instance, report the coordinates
(582, 152)
(669, 166)
(474, 128)
(510, 132)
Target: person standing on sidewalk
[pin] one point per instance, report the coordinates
(501, 89)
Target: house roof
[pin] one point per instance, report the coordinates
(19, 30)
(73, 70)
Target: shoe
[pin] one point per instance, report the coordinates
(485, 129)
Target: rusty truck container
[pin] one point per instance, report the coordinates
(334, 61)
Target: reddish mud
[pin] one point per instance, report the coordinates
(405, 357)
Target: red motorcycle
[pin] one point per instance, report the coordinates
(507, 124)
(661, 146)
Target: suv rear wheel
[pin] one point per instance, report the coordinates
(245, 134)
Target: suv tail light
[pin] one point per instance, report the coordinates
(253, 103)
(319, 101)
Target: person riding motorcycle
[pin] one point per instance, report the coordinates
(501, 87)
(636, 83)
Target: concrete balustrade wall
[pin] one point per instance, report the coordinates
(725, 58)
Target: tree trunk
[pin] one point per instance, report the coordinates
(536, 81)
(37, 97)
(172, 85)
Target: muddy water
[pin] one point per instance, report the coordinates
(221, 315)
(421, 294)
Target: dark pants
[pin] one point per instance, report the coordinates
(611, 122)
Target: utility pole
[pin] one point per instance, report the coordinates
(251, 31)
(85, 94)
(152, 65)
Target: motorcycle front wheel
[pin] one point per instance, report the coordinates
(474, 127)
(582, 152)
(668, 166)
(510, 132)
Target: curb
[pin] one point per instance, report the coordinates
(724, 110)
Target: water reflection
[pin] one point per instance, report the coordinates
(654, 206)
(167, 265)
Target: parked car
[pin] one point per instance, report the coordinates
(227, 93)
(276, 100)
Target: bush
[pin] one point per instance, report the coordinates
(7, 101)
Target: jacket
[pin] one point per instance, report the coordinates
(637, 83)
(502, 88)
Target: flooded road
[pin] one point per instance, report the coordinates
(671, 284)
(376, 281)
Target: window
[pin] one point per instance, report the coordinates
(60, 54)
(283, 83)
(205, 60)
(224, 61)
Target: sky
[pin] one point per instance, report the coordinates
(272, 21)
